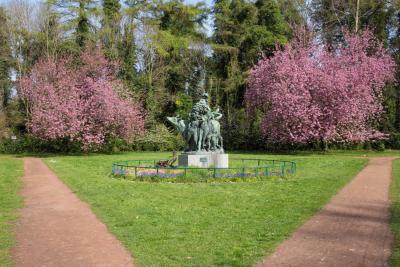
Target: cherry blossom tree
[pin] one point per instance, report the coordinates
(310, 93)
(81, 102)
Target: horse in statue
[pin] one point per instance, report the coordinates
(188, 131)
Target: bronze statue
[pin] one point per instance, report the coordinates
(202, 130)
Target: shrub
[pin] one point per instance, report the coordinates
(30, 144)
(80, 103)
(378, 145)
(394, 141)
(4, 130)
(159, 139)
(311, 94)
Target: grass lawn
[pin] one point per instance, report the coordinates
(204, 224)
(10, 171)
(395, 220)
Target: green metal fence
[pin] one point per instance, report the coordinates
(239, 168)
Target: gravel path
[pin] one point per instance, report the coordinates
(351, 230)
(55, 228)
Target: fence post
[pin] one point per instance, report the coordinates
(157, 170)
(135, 172)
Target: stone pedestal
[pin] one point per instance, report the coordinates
(204, 159)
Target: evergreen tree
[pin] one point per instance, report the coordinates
(127, 54)
(234, 20)
(130, 19)
(5, 60)
(110, 26)
(83, 24)
(243, 32)
(294, 12)
(77, 16)
(182, 37)
(270, 30)
(395, 45)
(179, 53)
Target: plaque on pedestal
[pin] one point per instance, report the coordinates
(204, 159)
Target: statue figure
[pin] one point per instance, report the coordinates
(202, 130)
(214, 138)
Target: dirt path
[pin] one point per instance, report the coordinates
(351, 230)
(55, 228)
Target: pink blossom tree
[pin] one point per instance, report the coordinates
(81, 102)
(311, 94)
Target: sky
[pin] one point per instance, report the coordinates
(208, 2)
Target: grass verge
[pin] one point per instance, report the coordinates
(395, 212)
(201, 224)
(10, 172)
